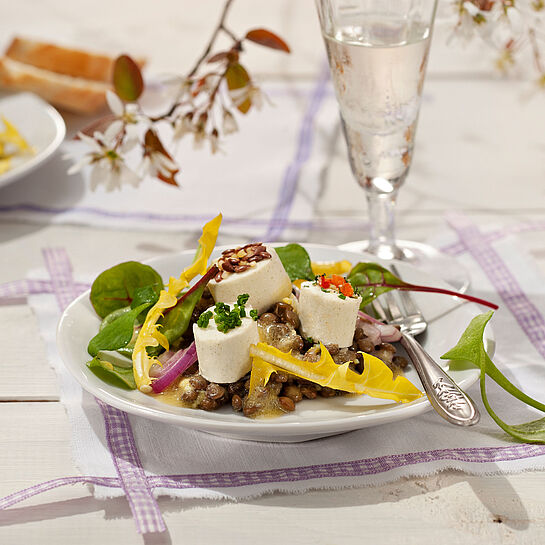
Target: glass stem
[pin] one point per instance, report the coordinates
(382, 241)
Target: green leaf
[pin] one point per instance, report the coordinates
(145, 294)
(128, 81)
(122, 377)
(176, 322)
(371, 280)
(237, 78)
(118, 333)
(296, 261)
(114, 288)
(267, 38)
(114, 315)
(471, 348)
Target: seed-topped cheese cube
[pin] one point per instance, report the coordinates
(328, 310)
(255, 269)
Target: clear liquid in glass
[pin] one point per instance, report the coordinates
(378, 71)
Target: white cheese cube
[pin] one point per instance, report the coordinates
(266, 283)
(225, 357)
(326, 317)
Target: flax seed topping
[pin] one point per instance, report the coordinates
(240, 259)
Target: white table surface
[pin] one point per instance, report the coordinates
(481, 150)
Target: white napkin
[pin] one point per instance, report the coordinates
(205, 466)
(265, 179)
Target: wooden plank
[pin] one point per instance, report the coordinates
(26, 372)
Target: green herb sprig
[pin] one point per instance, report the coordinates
(225, 317)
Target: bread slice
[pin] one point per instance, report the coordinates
(75, 94)
(63, 60)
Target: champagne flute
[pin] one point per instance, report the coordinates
(377, 52)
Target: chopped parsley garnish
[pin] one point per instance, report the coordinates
(225, 318)
(204, 318)
(242, 299)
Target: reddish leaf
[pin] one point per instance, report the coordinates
(221, 56)
(267, 38)
(99, 125)
(152, 143)
(128, 82)
(237, 78)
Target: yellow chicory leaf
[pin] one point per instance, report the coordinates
(200, 262)
(5, 164)
(11, 136)
(331, 267)
(149, 334)
(11, 143)
(376, 380)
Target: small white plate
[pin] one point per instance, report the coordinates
(447, 317)
(39, 124)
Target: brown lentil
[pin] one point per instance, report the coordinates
(208, 404)
(327, 392)
(198, 382)
(215, 391)
(236, 402)
(293, 392)
(309, 392)
(286, 404)
(189, 395)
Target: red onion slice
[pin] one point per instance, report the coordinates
(174, 367)
(389, 333)
(386, 333)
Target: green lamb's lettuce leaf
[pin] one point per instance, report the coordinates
(118, 332)
(371, 280)
(122, 377)
(296, 261)
(115, 287)
(471, 348)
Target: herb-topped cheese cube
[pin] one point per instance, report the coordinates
(223, 335)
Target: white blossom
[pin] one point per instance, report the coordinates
(157, 163)
(229, 122)
(214, 141)
(249, 92)
(108, 167)
(182, 126)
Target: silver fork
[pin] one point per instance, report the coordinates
(448, 400)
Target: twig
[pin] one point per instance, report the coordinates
(221, 26)
(535, 49)
(200, 60)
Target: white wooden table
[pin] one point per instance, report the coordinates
(480, 150)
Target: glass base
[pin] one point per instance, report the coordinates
(424, 257)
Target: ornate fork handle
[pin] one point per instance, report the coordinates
(444, 394)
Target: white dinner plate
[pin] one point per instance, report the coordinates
(448, 317)
(39, 124)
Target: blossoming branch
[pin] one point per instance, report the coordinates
(509, 27)
(207, 100)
